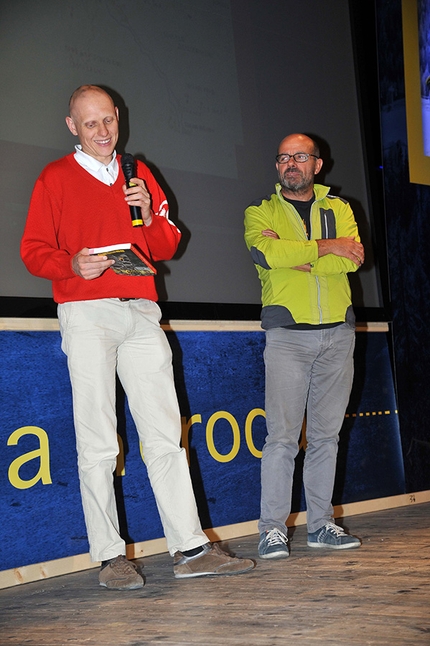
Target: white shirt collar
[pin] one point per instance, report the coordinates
(106, 174)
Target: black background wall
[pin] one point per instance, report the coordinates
(408, 235)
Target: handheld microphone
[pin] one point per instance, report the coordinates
(128, 168)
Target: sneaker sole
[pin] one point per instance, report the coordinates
(275, 555)
(193, 575)
(348, 546)
(136, 586)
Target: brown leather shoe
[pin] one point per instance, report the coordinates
(211, 562)
(120, 574)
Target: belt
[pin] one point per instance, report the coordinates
(128, 299)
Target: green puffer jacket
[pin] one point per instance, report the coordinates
(290, 296)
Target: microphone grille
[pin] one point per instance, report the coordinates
(127, 164)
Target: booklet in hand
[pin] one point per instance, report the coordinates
(129, 259)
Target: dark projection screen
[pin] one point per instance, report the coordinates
(206, 90)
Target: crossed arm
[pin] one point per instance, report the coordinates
(346, 247)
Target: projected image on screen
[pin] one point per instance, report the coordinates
(206, 90)
(180, 79)
(424, 49)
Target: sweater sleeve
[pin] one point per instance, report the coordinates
(40, 251)
(162, 235)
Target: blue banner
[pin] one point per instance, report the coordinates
(220, 383)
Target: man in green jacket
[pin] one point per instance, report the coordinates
(303, 242)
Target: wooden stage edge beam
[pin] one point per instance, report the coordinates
(52, 325)
(70, 564)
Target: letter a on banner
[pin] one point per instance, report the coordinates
(42, 453)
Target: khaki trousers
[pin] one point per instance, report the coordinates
(100, 338)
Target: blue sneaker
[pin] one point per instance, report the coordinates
(333, 536)
(273, 545)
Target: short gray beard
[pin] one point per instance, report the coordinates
(300, 187)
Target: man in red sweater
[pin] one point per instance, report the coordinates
(110, 324)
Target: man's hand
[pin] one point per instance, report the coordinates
(306, 267)
(345, 247)
(89, 267)
(270, 234)
(138, 196)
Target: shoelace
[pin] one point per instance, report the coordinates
(122, 566)
(334, 529)
(275, 536)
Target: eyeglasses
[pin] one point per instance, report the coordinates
(300, 158)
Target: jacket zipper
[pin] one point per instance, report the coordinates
(325, 226)
(316, 277)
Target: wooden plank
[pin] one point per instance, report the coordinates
(39, 324)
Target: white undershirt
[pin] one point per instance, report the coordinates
(106, 174)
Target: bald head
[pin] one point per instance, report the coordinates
(308, 144)
(86, 92)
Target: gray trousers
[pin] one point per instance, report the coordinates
(306, 371)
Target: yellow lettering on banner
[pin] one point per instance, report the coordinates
(120, 459)
(255, 412)
(42, 453)
(219, 457)
(186, 425)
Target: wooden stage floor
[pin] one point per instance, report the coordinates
(378, 594)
